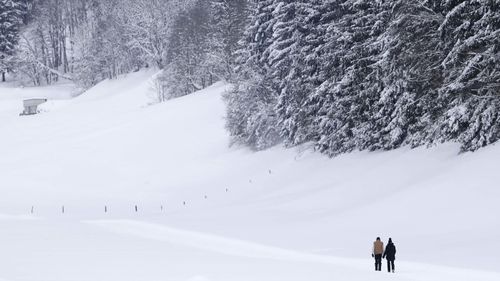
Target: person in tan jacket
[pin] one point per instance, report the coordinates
(378, 251)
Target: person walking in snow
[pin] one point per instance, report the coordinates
(390, 255)
(378, 250)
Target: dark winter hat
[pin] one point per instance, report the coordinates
(390, 240)
(378, 238)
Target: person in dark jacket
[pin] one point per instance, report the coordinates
(378, 250)
(390, 255)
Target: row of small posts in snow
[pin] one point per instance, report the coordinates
(136, 207)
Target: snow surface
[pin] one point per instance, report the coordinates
(211, 212)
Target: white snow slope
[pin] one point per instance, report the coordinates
(209, 211)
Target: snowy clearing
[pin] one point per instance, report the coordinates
(208, 211)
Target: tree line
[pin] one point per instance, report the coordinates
(343, 75)
(350, 75)
(88, 41)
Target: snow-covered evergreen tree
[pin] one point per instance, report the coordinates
(470, 94)
(411, 75)
(227, 25)
(11, 17)
(251, 116)
(294, 64)
(343, 104)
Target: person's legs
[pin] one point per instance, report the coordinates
(378, 262)
(390, 264)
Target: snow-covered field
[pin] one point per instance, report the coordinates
(208, 211)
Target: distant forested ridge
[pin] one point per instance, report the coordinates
(344, 75)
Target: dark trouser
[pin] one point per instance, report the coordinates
(389, 264)
(378, 262)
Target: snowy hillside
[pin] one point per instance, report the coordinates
(208, 211)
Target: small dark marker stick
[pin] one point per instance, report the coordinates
(62, 209)
(136, 208)
(32, 209)
(105, 209)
